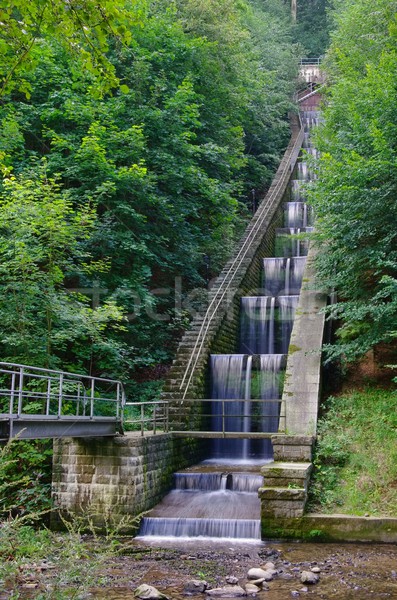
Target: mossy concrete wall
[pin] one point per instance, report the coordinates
(302, 386)
(110, 479)
(332, 528)
(283, 499)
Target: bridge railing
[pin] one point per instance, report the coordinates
(32, 398)
(310, 61)
(26, 391)
(146, 416)
(225, 417)
(239, 418)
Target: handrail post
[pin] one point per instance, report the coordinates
(47, 407)
(142, 419)
(123, 401)
(20, 391)
(223, 418)
(12, 394)
(78, 398)
(117, 399)
(60, 395)
(154, 419)
(92, 395)
(11, 406)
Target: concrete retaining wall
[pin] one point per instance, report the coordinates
(302, 386)
(333, 528)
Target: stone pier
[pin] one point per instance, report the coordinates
(115, 480)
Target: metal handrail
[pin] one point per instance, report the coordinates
(55, 371)
(264, 209)
(62, 394)
(306, 62)
(235, 409)
(310, 94)
(159, 415)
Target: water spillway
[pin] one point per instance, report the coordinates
(283, 276)
(219, 497)
(208, 504)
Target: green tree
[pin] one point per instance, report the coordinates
(85, 29)
(166, 161)
(40, 235)
(313, 26)
(355, 197)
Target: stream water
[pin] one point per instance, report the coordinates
(347, 572)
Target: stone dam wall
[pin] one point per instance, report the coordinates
(108, 480)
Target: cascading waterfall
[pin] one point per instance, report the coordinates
(257, 335)
(297, 214)
(230, 379)
(283, 276)
(270, 388)
(297, 190)
(252, 382)
(266, 323)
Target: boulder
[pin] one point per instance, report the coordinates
(258, 573)
(195, 586)
(229, 591)
(251, 589)
(309, 577)
(148, 592)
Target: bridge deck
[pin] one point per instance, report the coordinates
(28, 427)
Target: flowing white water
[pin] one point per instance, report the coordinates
(297, 190)
(196, 527)
(298, 214)
(287, 306)
(257, 327)
(230, 379)
(283, 276)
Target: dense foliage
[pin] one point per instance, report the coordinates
(355, 198)
(355, 458)
(126, 179)
(312, 26)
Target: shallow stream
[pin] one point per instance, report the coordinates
(351, 572)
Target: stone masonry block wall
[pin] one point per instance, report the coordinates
(113, 478)
(217, 329)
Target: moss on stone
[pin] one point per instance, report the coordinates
(293, 348)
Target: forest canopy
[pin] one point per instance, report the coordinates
(134, 139)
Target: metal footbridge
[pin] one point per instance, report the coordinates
(38, 403)
(44, 403)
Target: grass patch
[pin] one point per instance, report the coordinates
(356, 455)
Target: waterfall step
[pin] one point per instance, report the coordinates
(196, 504)
(218, 481)
(210, 528)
